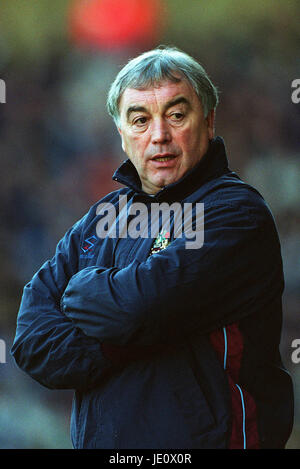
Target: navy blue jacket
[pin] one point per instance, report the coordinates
(177, 349)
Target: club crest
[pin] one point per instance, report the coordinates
(161, 242)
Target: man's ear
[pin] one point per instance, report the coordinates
(210, 119)
(121, 135)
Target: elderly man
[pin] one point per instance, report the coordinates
(166, 344)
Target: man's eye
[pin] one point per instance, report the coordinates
(177, 116)
(140, 121)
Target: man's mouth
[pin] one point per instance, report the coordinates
(163, 157)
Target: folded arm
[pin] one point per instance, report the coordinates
(48, 346)
(179, 291)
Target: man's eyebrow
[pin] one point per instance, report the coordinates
(171, 103)
(175, 101)
(135, 109)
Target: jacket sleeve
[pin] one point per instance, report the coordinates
(179, 291)
(47, 345)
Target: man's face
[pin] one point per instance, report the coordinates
(164, 132)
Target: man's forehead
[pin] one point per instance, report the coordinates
(162, 92)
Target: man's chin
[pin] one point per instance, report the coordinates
(156, 186)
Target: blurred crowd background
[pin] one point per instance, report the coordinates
(59, 148)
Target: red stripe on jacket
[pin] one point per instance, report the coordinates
(244, 431)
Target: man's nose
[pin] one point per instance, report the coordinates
(160, 132)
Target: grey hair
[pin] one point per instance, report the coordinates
(152, 67)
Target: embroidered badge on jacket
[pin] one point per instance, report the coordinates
(161, 242)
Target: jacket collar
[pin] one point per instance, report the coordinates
(213, 164)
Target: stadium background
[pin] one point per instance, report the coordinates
(58, 146)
